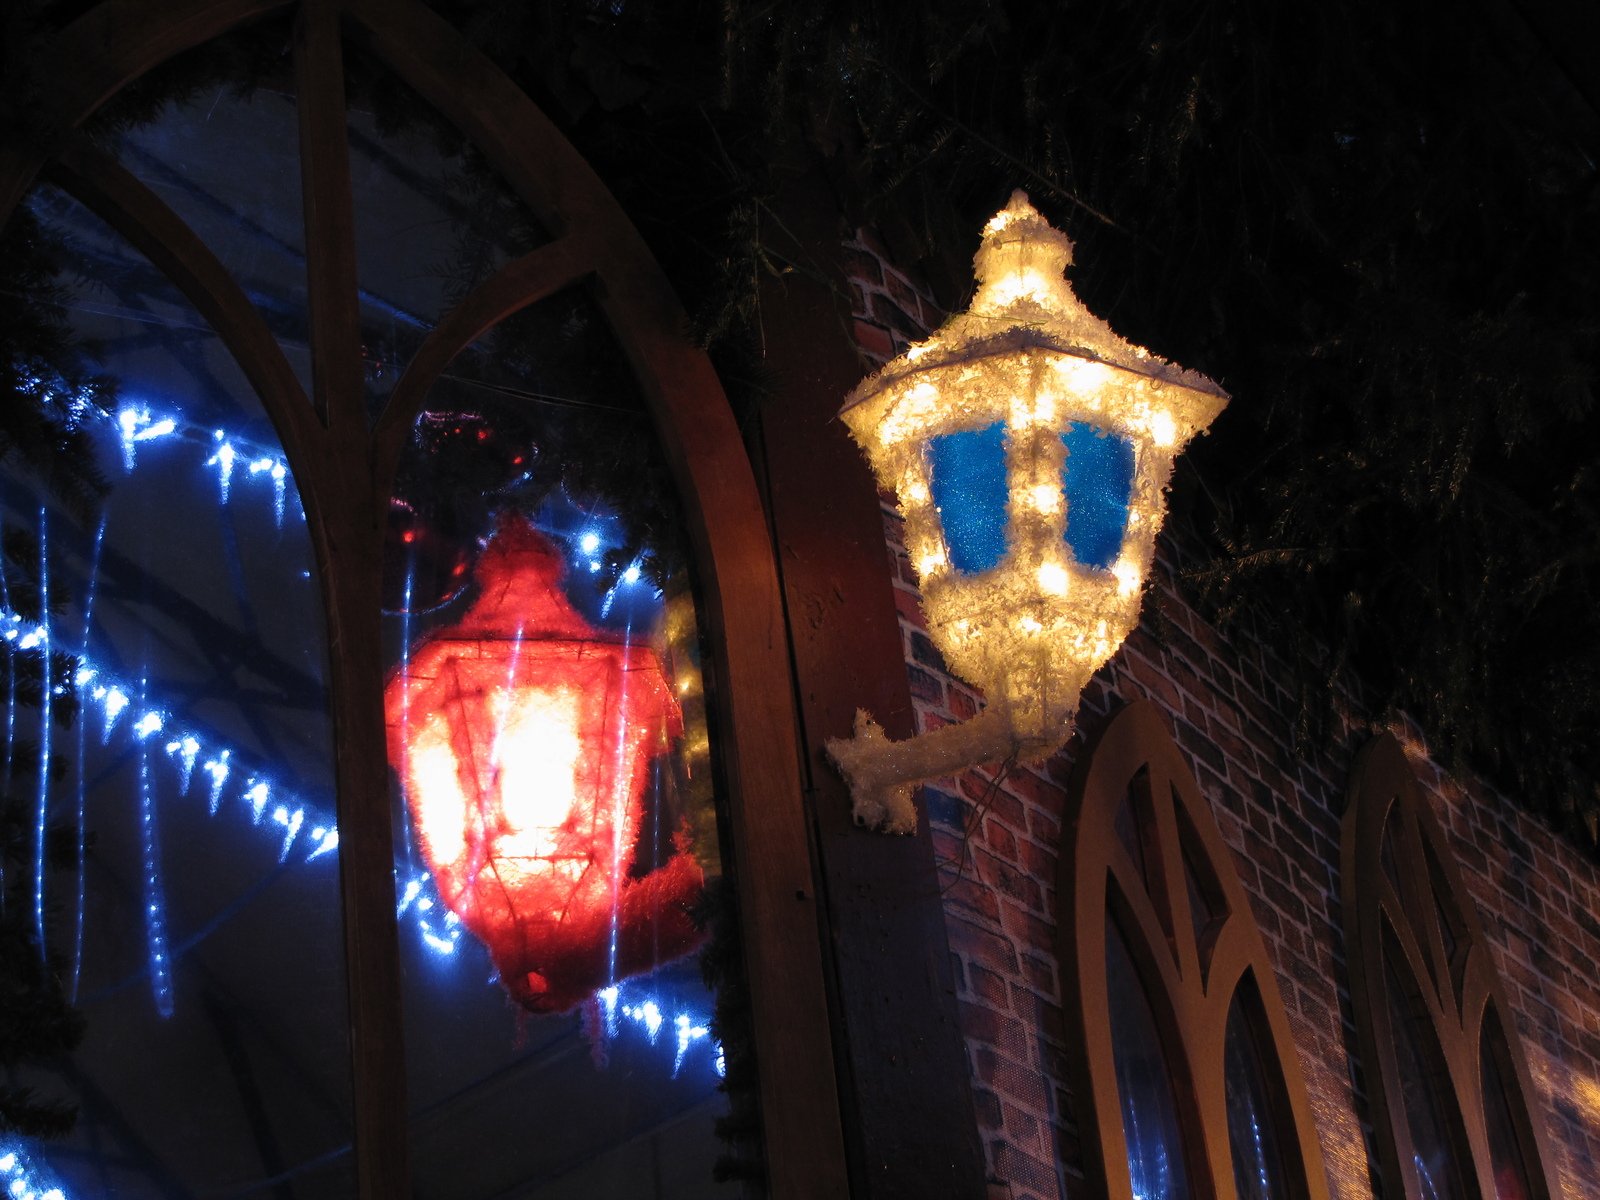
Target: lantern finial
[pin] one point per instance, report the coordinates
(1030, 449)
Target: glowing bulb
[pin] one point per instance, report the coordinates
(1044, 497)
(1163, 430)
(1052, 579)
(1128, 576)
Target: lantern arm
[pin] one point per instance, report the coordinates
(882, 774)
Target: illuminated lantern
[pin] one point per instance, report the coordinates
(1030, 449)
(525, 737)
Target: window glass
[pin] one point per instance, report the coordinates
(1430, 1106)
(1258, 1169)
(1144, 1081)
(432, 219)
(1505, 1154)
(224, 155)
(555, 813)
(193, 909)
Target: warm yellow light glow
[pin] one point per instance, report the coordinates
(1163, 430)
(1020, 285)
(1129, 577)
(1046, 497)
(1053, 579)
(532, 767)
(1032, 629)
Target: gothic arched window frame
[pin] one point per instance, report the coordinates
(343, 474)
(1420, 906)
(1192, 974)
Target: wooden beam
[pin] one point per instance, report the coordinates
(908, 1112)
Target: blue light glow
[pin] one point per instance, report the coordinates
(80, 799)
(42, 815)
(22, 1176)
(155, 902)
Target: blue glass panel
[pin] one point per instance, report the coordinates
(1144, 1081)
(1098, 480)
(969, 489)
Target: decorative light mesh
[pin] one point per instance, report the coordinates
(1028, 606)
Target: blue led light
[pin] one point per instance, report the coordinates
(967, 478)
(154, 894)
(1097, 479)
(42, 815)
(23, 1177)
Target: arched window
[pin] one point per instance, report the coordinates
(1448, 1086)
(273, 233)
(1187, 1072)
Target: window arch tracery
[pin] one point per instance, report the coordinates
(1152, 920)
(1449, 1091)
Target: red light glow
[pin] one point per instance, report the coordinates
(525, 737)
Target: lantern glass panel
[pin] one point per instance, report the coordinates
(200, 932)
(1097, 480)
(967, 473)
(570, 757)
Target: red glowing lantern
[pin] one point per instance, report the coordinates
(525, 738)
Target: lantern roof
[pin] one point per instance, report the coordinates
(1024, 303)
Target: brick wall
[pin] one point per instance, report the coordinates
(1279, 809)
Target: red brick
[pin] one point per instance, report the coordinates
(874, 340)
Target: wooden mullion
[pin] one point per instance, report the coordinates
(335, 334)
(346, 517)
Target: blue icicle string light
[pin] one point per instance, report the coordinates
(304, 832)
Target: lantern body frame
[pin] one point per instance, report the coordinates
(525, 738)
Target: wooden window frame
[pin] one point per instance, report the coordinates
(343, 472)
(1457, 989)
(1191, 981)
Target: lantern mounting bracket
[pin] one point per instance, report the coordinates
(883, 774)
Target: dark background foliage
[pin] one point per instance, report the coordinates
(1374, 222)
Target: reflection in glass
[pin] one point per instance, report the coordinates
(558, 820)
(1144, 1081)
(200, 931)
(225, 157)
(1428, 1099)
(1258, 1168)
(432, 218)
(1505, 1154)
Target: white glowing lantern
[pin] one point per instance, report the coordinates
(1030, 448)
